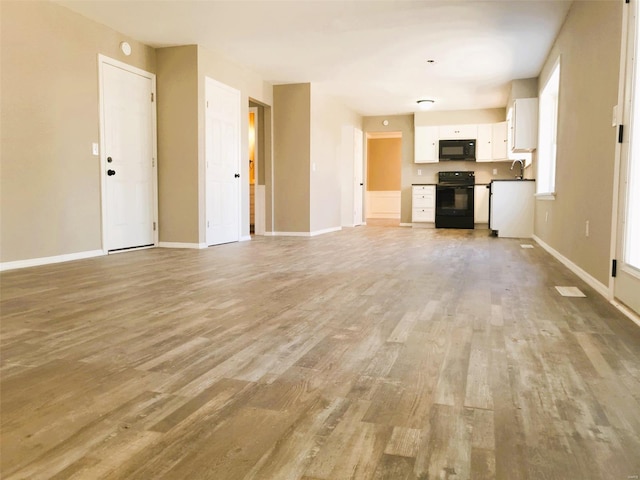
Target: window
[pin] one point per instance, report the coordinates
(547, 134)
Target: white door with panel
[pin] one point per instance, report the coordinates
(626, 283)
(129, 171)
(358, 172)
(222, 163)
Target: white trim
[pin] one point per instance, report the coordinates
(601, 288)
(35, 262)
(102, 60)
(245, 238)
(303, 234)
(627, 311)
(406, 224)
(182, 245)
(545, 196)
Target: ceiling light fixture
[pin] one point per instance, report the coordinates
(425, 104)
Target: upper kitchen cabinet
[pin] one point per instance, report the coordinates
(458, 132)
(425, 144)
(492, 142)
(523, 125)
(499, 141)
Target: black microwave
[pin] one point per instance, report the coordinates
(457, 150)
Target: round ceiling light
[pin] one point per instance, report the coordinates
(425, 104)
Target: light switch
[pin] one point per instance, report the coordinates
(95, 149)
(614, 117)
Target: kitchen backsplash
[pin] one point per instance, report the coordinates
(484, 171)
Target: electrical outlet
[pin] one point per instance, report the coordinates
(495, 171)
(419, 171)
(586, 228)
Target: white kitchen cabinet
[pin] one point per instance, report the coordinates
(491, 144)
(499, 141)
(425, 144)
(423, 203)
(481, 204)
(484, 149)
(523, 125)
(458, 132)
(512, 204)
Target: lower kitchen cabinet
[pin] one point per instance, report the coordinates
(481, 204)
(423, 203)
(512, 205)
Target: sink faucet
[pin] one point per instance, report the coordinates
(521, 162)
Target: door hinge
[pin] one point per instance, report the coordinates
(207, 103)
(620, 133)
(152, 96)
(627, 1)
(154, 226)
(614, 267)
(153, 162)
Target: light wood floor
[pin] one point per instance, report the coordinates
(371, 353)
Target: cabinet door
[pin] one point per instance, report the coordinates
(481, 204)
(425, 144)
(499, 141)
(483, 144)
(524, 118)
(458, 132)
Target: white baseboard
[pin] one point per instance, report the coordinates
(406, 224)
(601, 288)
(182, 245)
(303, 234)
(34, 262)
(245, 238)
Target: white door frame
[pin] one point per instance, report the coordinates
(259, 212)
(622, 116)
(103, 60)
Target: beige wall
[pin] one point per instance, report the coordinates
(177, 85)
(429, 171)
(383, 164)
(292, 157)
(50, 182)
(328, 116)
(251, 86)
(589, 46)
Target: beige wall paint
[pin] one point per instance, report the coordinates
(292, 157)
(589, 46)
(409, 174)
(251, 86)
(49, 111)
(177, 84)
(328, 116)
(384, 164)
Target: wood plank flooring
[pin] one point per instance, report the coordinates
(370, 353)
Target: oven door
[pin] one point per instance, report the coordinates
(454, 206)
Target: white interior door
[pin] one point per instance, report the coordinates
(358, 182)
(222, 152)
(128, 139)
(627, 281)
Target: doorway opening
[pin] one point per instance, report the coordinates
(259, 160)
(384, 165)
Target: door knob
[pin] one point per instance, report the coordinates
(111, 173)
(237, 175)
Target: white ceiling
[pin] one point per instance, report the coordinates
(372, 54)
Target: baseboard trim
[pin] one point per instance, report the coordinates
(588, 278)
(195, 246)
(36, 262)
(406, 224)
(303, 234)
(245, 238)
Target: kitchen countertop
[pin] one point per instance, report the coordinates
(514, 180)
